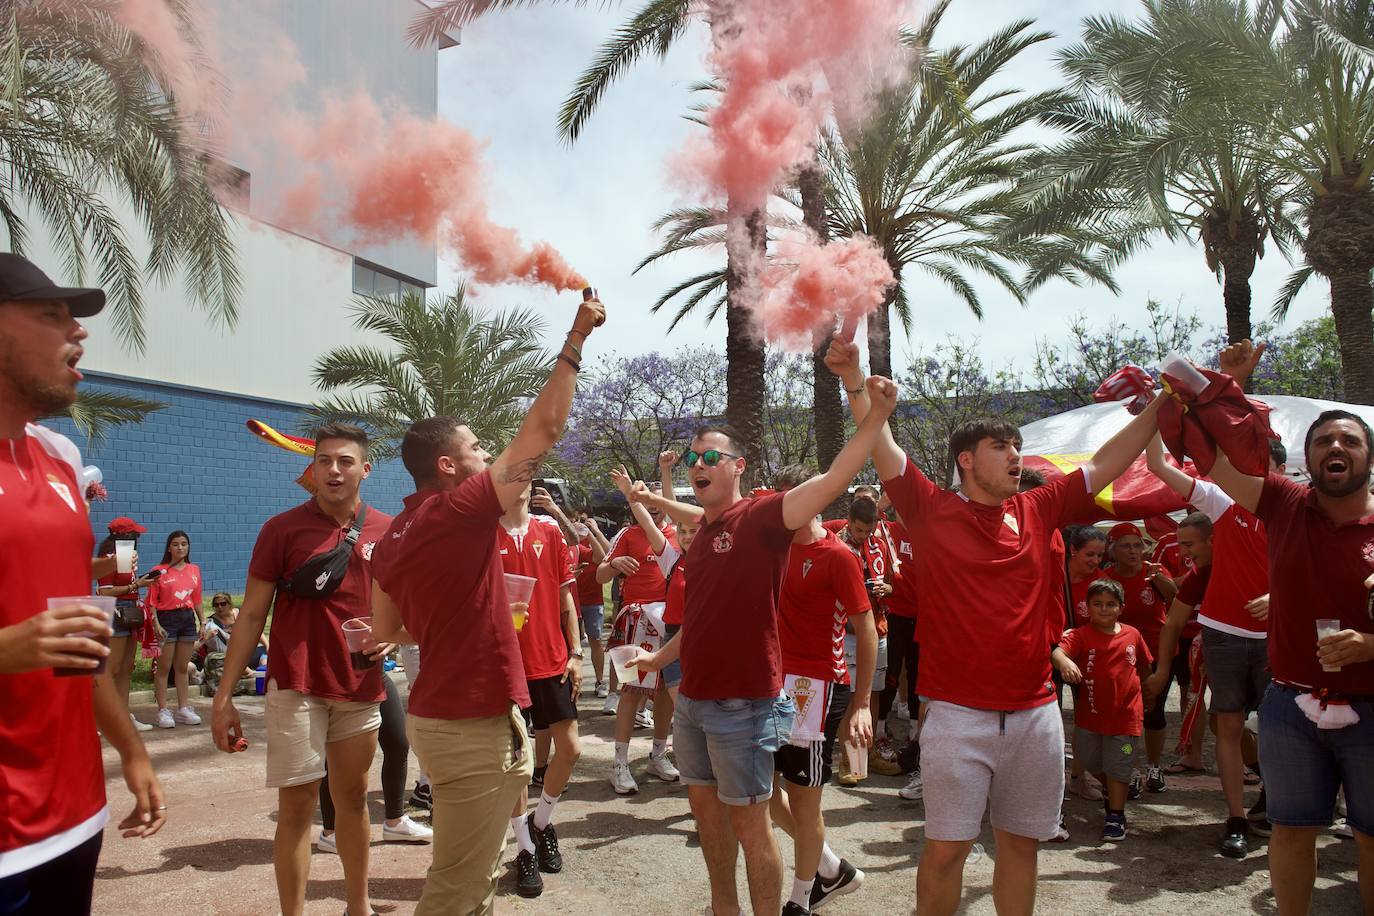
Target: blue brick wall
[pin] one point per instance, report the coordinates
(195, 466)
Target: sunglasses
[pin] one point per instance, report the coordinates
(711, 457)
(219, 604)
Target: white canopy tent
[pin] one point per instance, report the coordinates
(1084, 429)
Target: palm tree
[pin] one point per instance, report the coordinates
(1155, 145)
(85, 113)
(932, 177)
(443, 358)
(96, 412)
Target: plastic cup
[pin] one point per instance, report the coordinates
(1178, 367)
(358, 634)
(518, 592)
(620, 659)
(1328, 626)
(106, 604)
(858, 760)
(124, 556)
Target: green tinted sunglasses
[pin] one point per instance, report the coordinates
(711, 457)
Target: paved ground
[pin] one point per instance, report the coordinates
(638, 854)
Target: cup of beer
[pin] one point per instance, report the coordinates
(358, 634)
(106, 604)
(518, 592)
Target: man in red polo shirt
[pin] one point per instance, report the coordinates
(320, 708)
(729, 721)
(981, 566)
(1317, 717)
(440, 584)
(52, 782)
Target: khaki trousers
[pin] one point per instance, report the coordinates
(477, 768)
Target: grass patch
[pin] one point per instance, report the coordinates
(142, 677)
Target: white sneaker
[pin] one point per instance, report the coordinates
(406, 831)
(1341, 828)
(164, 719)
(139, 726)
(663, 768)
(612, 701)
(1085, 787)
(187, 716)
(913, 790)
(602, 691)
(327, 842)
(902, 711)
(643, 719)
(622, 781)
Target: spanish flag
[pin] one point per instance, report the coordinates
(1134, 495)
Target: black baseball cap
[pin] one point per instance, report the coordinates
(22, 281)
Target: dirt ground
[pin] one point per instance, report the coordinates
(638, 854)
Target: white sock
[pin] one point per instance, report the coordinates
(522, 834)
(543, 812)
(622, 752)
(801, 891)
(830, 863)
(660, 747)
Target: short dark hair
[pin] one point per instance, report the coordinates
(1325, 417)
(862, 510)
(1081, 536)
(424, 442)
(1277, 452)
(1111, 586)
(968, 434)
(1199, 520)
(345, 431)
(793, 475)
(1031, 478)
(866, 488)
(736, 441)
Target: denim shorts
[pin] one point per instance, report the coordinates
(672, 673)
(730, 744)
(594, 621)
(1304, 765)
(180, 624)
(120, 630)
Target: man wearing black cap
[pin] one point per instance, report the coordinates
(50, 840)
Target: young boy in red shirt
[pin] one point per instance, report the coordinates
(1109, 659)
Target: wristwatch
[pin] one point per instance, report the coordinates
(577, 653)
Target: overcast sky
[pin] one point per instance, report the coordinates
(596, 200)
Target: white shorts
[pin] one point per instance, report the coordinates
(976, 759)
(851, 643)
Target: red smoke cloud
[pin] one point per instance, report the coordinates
(786, 67)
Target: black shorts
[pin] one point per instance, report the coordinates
(810, 766)
(1154, 715)
(550, 702)
(1180, 671)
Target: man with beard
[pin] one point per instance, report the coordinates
(1317, 717)
(50, 840)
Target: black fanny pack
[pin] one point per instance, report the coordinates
(324, 572)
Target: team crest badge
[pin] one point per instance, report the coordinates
(1147, 596)
(1368, 551)
(723, 542)
(1130, 656)
(806, 568)
(367, 550)
(538, 549)
(62, 490)
(1011, 523)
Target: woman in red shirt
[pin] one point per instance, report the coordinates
(175, 598)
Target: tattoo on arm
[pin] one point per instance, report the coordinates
(524, 471)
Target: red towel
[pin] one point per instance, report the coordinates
(1193, 426)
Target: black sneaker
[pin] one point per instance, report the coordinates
(1236, 843)
(546, 845)
(538, 778)
(824, 890)
(1114, 828)
(528, 883)
(794, 909)
(1133, 791)
(1154, 780)
(422, 797)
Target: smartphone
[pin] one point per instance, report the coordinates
(152, 574)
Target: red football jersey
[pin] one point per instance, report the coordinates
(646, 585)
(674, 568)
(1240, 563)
(541, 553)
(822, 589)
(1145, 608)
(589, 591)
(902, 601)
(1109, 699)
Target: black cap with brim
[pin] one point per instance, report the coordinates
(22, 281)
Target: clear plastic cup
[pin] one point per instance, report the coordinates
(1328, 626)
(518, 592)
(358, 634)
(620, 658)
(106, 604)
(1178, 367)
(858, 760)
(124, 556)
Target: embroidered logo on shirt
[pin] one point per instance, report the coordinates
(186, 592)
(1368, 551)
(538, 549)
(1011, 523)
(1130, 656)
(62, 490)
(806, 567)
(367, 550)
(1147, 595)
(723, 542)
